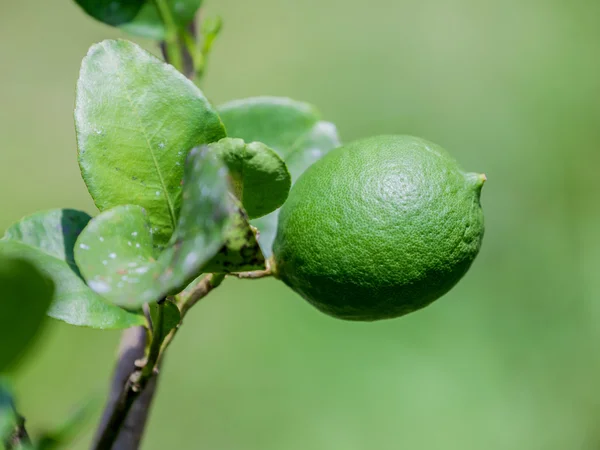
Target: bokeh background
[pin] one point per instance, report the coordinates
(510, 359)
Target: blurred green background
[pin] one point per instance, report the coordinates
(510, 359)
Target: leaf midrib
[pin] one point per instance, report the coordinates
(142, 129)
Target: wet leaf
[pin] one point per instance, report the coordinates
(136, 119)
(46, 240)
(116, 252)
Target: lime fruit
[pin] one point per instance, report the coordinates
(379, 228)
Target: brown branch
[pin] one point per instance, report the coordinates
(126, 412)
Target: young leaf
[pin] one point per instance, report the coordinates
(260, 178)
(241, 252)
(47, 241)
(116, 252)
(136, 118)
(291, 128)
(170, 320)
(26, 295)
(149, 24)
(112, 12)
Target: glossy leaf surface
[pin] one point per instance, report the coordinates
(117, 254)
(148, 23)
(291, 128)
(47, 241)
(259, 177)
(112, 12)
(136, 119)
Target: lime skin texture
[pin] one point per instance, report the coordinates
(379, 228)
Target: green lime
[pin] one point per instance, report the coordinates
(379, 228)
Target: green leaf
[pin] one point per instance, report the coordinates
(259, 177)
(149, 24)
(112, 12)
(241, 252)
(275, 121)
(116, 252)
(26, 295)
(312, 146)
(140, 17)
(291, 128)
(136, 119)
(47, 241)
(170, 320)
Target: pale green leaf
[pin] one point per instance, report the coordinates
(136, 119)
(260, 178)
(47, 241)
(116, 252)
(277, 122)
(291, 128)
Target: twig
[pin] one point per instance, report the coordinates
(201, 290)
(253, 274)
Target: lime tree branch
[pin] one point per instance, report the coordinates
(141, 375)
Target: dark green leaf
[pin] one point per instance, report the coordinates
(112, 12)
(136, 119)
(170, 320)
(47, 241)
(149, 24)
(260, 178)
(140, 17)
(116, 254)
(241, 251)
(26, 296)
(292, 128)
